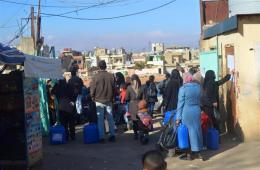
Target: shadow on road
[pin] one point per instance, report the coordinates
(227, 143)
(125, 153)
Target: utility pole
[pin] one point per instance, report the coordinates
(32, 27)
(39, 40)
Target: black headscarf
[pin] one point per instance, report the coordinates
(210, 76)
(120, 79)
(170, 95)
(176, 76)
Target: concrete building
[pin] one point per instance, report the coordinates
(157, 48)
(115, 58)
(176, 55)
(156, 61)
(106, 58)
(118, 60)
(120, 51)
(90, 59)
(139, 57)
(69, 56)
(100, 51)
(26, 45)
(234, 44)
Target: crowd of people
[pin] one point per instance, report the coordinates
(188, 93)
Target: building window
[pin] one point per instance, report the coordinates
(173, 59)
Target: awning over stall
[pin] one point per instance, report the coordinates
(34, 66)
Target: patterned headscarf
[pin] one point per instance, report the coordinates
(136, 83)
(187, 78)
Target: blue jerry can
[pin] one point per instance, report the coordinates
(57, 135)
(167, 117)
(213, 139)
(90, 133)
(183, 137)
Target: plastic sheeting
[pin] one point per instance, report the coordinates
(42, 67)
(44, 108)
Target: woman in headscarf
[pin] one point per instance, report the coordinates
(120, 81)
(171, 92)
(188, 113)
(64, 93)
(210, 97)
(132, 97)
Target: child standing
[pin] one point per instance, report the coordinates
(124, 104)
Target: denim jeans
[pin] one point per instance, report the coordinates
(126, 119)
(150, 108)
(102, 110)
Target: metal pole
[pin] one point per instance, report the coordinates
(39, 43)
(32, 27)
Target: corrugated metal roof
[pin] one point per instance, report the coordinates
(225, 26)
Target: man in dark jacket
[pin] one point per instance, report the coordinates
(77, 84)
(102, 89)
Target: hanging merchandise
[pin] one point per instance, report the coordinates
(44, 108)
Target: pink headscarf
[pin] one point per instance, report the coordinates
(187, 78)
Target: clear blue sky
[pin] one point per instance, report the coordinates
(176, 24)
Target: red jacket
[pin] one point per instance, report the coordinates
(123, 96)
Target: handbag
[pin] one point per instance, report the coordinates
(79, 104)
(66, 105)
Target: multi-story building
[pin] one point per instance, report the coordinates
(90, 59)
(120, 51)
(139, 57)
(118, 60)
(157, 48)
(156, 61)
(115, 58)
(100, 51)
(177, 55)
(69, 56)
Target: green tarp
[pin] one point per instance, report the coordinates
(44, 108)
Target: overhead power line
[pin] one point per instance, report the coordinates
(73, 2)
(109, 18)
(56, 6)
(5, 27)
(13, 16)
(19, 33)
(85, 8)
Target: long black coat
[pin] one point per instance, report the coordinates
(211, 91)
(170, 95)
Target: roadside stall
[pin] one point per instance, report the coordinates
(20, 119)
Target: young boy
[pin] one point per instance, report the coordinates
(154, 160)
